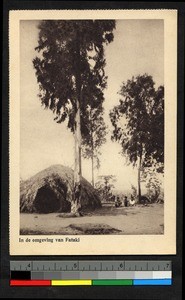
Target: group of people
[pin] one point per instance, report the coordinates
(127, 202)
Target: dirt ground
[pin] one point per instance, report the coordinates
(139, 219)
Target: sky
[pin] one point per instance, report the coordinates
(138, 48)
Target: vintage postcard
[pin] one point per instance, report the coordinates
(93, 121)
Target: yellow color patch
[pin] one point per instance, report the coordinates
(71, 282)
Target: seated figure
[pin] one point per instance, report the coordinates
(132, 201)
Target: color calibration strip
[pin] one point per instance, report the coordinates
(109, 282)
(47, 278)
(90, 282)
(90, 273)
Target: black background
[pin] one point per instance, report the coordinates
(89, 292)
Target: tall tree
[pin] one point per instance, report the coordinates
(69, 70)
(95, 137)
(138, 123)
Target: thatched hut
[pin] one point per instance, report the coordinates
(51, 190)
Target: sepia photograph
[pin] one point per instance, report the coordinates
(91, 128)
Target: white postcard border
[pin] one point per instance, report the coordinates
(96, 244)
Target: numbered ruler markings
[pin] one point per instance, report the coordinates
(90, 266)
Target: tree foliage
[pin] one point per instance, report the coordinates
(70, 65)
(138, 120)
(154, 184)
(105, 187)
(138, 123)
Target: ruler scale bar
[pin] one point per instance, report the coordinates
(91, 265)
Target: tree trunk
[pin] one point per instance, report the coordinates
(76, 204)
(139, 180)
(92, 157)
(106, 190)
(92, 161)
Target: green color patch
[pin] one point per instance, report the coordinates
(112, 282)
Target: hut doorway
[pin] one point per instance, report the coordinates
(46, 200)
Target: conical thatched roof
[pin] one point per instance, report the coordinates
(51, 190)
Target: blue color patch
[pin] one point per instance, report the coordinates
(152, 282)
